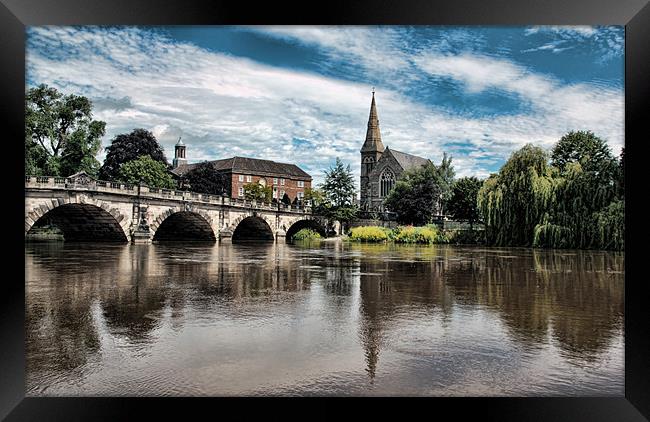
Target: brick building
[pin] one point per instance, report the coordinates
(281, 177)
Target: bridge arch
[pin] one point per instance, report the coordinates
(252, 228)
(183, 225)
(80, 219)
(305, 224)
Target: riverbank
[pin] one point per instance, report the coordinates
(429, 234)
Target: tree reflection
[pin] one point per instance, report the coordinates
(133, 305)
(77, 294)
(60, 291)
(575, 296)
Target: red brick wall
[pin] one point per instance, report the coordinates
(290, 184)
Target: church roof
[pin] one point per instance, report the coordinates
(373, 136)
(250, 165)
(407, 161)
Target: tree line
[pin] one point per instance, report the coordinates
(62, 139)
(572, 197)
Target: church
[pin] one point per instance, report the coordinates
(381, 167)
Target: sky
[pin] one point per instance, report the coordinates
(302, 94)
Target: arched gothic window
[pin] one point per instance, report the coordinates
(368, 163)
(387, 181)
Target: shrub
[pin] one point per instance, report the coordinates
(369, 234)
(466, 237)
(306, 234)
(410, 234)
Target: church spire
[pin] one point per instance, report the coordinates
(373, 136)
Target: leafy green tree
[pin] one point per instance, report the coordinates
(314, 196)
(585, 148)
(420, 192)
(82, 146)
(128, 147)
(147, 171)
(576, 203)
(35, 158)
(516, 200)
(415, 196)
(255, 192)
(462, 204)
(338, 192)
(203, 178)
(445, 181)
(61, 136)
(589, 182)
(621, 173)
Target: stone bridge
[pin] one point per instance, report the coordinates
(92, 210)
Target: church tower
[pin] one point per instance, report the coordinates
(179, 154)
(370, 152)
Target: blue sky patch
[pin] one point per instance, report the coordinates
(302, 94)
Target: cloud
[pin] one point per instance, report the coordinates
(580, 30)
(223, 105)
(359, 44)
(556, 107)
(607, 41)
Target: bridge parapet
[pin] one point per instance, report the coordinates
(145, 192)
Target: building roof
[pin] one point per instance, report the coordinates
(407, 161)
(250, 165)
(373, 136)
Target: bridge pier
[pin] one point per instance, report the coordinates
(141, 237)
(225, 235)
(280, 236)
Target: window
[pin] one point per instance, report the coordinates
(241, 191)
(282, 182)
(241, 177)
(249, 178)
(368, 162)
(386, 182)
(301, 195)
(275, 192)
(275, 180)
(281, 194)
(301, 184)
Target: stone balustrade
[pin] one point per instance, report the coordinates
(53, 182)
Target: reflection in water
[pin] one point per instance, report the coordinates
(330, 318)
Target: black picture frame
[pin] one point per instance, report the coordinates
(16, 14)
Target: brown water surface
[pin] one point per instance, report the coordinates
(329, 318)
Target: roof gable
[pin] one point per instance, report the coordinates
(250, 165)
(406, 161)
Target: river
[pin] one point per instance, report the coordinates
(328, 318)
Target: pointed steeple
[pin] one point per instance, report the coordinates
(373, 136)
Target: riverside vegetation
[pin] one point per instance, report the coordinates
(429, 234)
(306, 234)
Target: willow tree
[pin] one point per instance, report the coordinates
(586, 212)
(517, 199)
